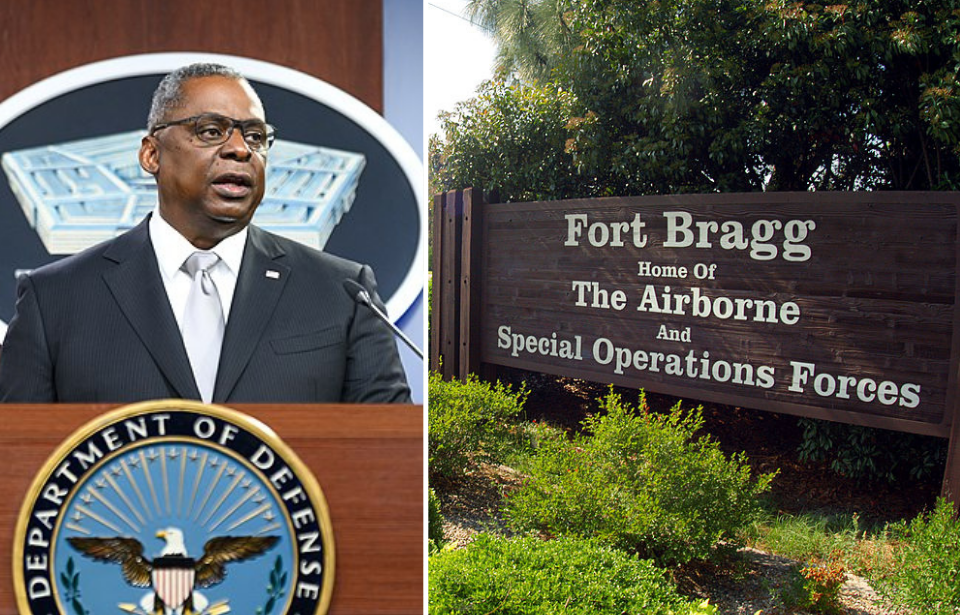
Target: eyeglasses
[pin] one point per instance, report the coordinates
(215, 129)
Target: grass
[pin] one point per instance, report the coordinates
(822, 537)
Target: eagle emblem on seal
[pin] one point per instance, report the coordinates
(174, 576)
(174, 507)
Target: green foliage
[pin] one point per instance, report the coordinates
(275, 588)
(805, 537)
(533, 434)
(925, 576)
(781, 95)
(510, 138)
(468, 423)
(821, 537)
(875, 454)
(666, 82)
(531, 35)
(70, 582)
(531, 576)
(816, 589)
(715, 96)
(641, 482)
(434, 522)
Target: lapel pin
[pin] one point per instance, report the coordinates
(273, 275)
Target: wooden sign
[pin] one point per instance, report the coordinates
(830, 305)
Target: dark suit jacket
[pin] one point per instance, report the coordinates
(97, 327)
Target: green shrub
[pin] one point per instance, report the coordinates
(434, 521)
(925, 579)
(531, 576)
(869, 453)
(641, 482)
(468, 423)
(816, 589)
(510, 138)
(531, 435)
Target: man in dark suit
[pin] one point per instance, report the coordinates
(132, 319)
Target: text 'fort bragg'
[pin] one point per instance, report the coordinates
(665, 294)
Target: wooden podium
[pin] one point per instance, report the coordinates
(368, 460)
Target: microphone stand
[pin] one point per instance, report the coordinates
(361, 296)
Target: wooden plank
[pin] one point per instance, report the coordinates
(951, 476)
(470, 296)
(339, 41)
(847, 301)
(436, 274)
(449, 284)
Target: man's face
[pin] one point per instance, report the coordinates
(207, 192)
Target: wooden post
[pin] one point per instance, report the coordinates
(951, 475)
(471, 256)
(445, 329)
(436, 273)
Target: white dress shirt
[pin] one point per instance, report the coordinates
(172, 249)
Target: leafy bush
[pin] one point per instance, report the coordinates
(534, 433)
(816, 589)
(468, 423)
(531, 576)
(928, 564)
(509, 138)
(641, 482)
(434, 521)
(875, 454)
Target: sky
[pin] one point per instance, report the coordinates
(457, 57)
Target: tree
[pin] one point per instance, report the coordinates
(531, 35)
(510, 138)
(745, 95)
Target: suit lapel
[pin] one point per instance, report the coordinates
(136, 286)
(259, 286)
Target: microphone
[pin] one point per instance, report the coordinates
(359, 294)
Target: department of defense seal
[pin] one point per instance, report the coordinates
(174, 508)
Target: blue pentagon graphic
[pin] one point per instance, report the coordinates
(80, 193)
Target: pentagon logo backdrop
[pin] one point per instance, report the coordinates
(339, 177)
